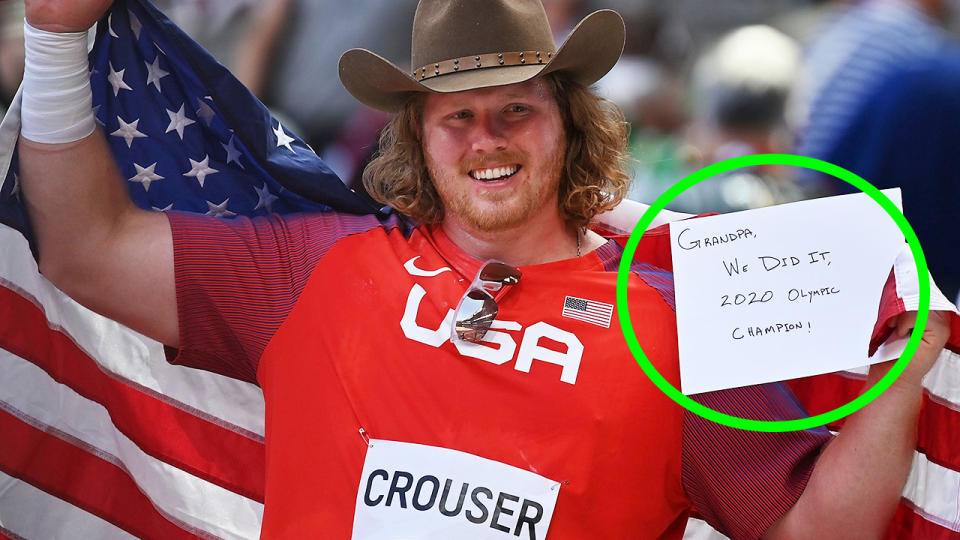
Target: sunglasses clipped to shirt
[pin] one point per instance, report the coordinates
(478, 307)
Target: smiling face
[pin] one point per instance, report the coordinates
(495, 156)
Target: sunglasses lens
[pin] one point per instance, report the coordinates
(475, 314)
(478, 308)
(500, 273)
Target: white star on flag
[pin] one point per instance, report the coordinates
(200, 169)
(166, 209)
(282, 138)
(205, 111)
(266, 198)
(219, 210)
(116, 80)
(154, 73)
(233, 154)
(128, 131)
(178, 121)
(145, 176)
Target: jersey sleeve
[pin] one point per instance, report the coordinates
(236, 281)
(741, 482)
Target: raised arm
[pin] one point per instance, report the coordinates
(95, 244)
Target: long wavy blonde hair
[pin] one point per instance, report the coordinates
(594, 172)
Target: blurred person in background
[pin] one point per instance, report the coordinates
(879, 97)
(738, 88)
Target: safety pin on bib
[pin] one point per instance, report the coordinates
(365, 437)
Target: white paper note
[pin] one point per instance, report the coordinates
(781, 292)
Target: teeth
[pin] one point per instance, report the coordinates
(494, 173)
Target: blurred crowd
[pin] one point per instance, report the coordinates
(870, 85)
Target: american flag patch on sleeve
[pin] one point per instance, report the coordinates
(590, 311)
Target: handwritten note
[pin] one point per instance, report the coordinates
(781, 292)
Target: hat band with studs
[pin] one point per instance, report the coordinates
(482, 61)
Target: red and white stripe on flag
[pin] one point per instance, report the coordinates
(102, 438)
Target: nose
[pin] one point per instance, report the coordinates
(487, 136)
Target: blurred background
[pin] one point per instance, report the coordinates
(870, 85)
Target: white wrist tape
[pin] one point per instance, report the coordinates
(57, 100)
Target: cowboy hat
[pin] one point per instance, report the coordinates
(468, 44)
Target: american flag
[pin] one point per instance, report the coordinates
(99, 436)
(591, 311)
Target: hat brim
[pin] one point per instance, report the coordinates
(591, 50)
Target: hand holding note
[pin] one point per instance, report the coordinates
(935, 336)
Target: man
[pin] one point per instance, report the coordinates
(418, 383)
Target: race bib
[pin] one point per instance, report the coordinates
(417, 492)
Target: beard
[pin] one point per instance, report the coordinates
(498, 210)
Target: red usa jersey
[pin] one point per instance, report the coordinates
(378, 426)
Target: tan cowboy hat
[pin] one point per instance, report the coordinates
(467, 44)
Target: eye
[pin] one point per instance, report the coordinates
(461, 115)
(517, 108)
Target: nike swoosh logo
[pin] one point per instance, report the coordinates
(411, 267)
